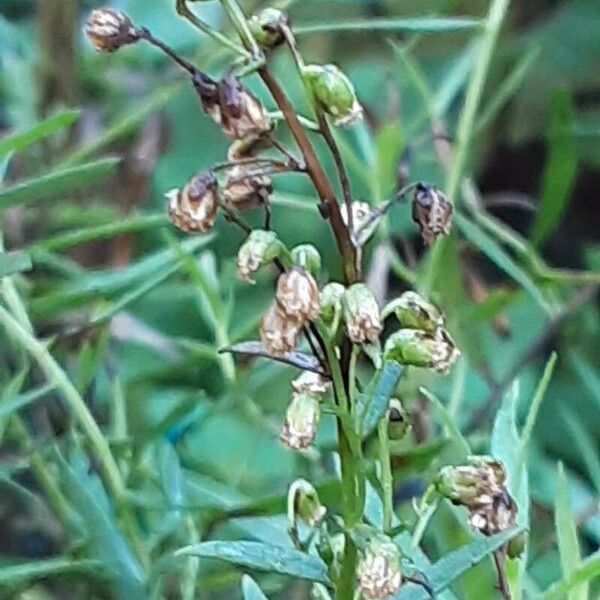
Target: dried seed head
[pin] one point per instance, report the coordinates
(304, 503)
(432, 212)
(278, 331)
(331, 299)
(379, 573)
(266, 27)
(334, 92)
(244, 189)
(298, 295)
(414, 312)
(421, 349)
(398, 420)
(260, 247)
(194, 208)
(230, 104)
(109, 29)
(493, 464)
(361, 314)
(496, 516)
(312, 383)
(301, 421)
(307, 257)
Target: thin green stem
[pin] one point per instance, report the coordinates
(385, 476)
(352, 377)
(239, 21)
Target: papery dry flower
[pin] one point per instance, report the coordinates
(245, 189)
(261, 247)
(278, 331)
(109, 29)
(311, 382)
(298, 294)
(379, 573)
(194, 208)
(361, 314)
(432, 211)
(301, 421)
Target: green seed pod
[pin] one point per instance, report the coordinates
(414, 312)
(331, 300)
(421, 349)
(398, 420)
(260, 247)
(307, 257)
(304, 504)
(334, 92)
(361, 314)
(266, 27)
(379, 570)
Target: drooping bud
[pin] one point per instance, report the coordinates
(307, 257)
(361, 212)
(298, 294)
(414, 312)
(311, 383)
(301, 421)
(278, 331)
(244, 189)
(194, 208)
(334, 92)
(398, 420)
(109, 29)
(304, 503)
(468, 485)
(361, 314)
(260, 247)
(266, 27)
(432, 212)
(229, 103)
(379, 570)
(418, 348)
(331, 299)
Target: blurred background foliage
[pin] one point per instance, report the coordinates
(136, 317)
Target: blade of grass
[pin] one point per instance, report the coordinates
(587, 571)
(585, 444)
(11, 405)
(30, 571)
(14, 262)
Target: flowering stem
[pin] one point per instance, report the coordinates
(386, 479)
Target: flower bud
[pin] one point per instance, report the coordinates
(109, 29)
(413, 312)
(468, 485)
(421, 349)
(278, 331)
(398, 420)
(331, 299)
(304, 503)
(301, 421)
(334, 92)
(194, 208)
(379, 573)
(361, 313)
(298, 295)
(307, 257)
(432, 212)
(243, 190)
(311, 383)
(260, 247)
(266, 27)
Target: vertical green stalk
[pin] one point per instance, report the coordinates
(385, 476)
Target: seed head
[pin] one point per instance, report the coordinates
(243, 190)
(331, 299)
(260, 247)
(301, 421)
(194, 208)
(311, 383)
(379, 572)
(298, 294)
(398, 420)
(414, 312)
(334, 92)
(266, 27)
(278, 331)
(361, 314)
(432, 212)
(109, 29)
(418, 348)
(304, 503)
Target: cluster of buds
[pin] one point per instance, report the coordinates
(480, 486)
(422, 340)
(432, 212)
(304, 411)
(379, 570)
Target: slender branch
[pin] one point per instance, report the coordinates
(502, 581)
(252, 160)
(186, 65)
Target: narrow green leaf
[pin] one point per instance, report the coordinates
(15, 403)
(57, 182)
(251, 590)
(566, 531)
(560, 168)
(424, 25)
(441, 574)
(587, 571)
(17, 141)
(586, 373)
(585, 445)
(14, 262)
(376, 404)
(29, 571)
(263, 557)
